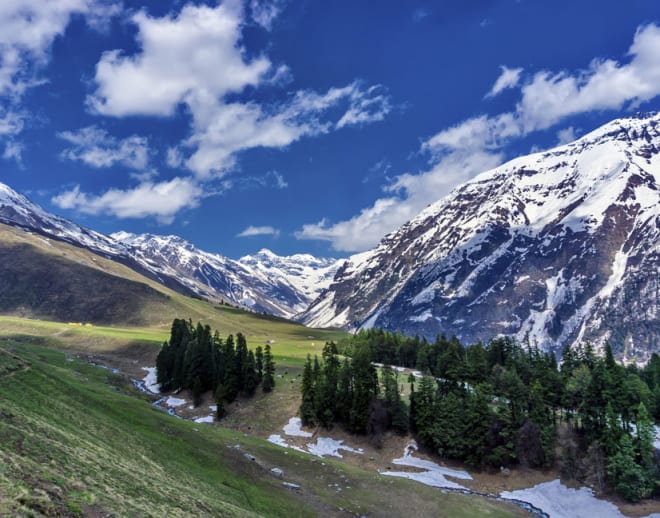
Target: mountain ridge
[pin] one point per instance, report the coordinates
(504, 231)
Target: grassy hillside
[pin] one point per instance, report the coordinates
(77, 440)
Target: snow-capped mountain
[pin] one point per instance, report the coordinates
(553, 248)
(264, 282)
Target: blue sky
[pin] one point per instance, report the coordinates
(300, 126)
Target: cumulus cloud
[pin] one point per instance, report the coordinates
(95, 147)
(193, 55)
(509, 78)
(195, 58)
(475, 145)
(162, 200)
(259, 231)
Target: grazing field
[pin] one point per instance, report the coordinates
(78, 440)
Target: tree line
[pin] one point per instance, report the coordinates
(198, 359)
(495, 405)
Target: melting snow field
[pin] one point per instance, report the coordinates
(324, 446)
(175, 402)
(205, 419)
(560, 501)
(330, 447)
(150, 380)
(294, 428)
(433, 474)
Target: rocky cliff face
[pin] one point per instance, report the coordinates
(553, 248)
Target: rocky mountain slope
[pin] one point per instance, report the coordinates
(553, 248)
(265, 282)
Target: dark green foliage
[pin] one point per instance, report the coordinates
(308, 390)
(195, 358)
(628, 478)
(497, 404)
(268, 382)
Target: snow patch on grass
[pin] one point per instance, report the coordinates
(175, 402)
(277, 439)
(434, 474)
(151, 381)
(560, 501)
(205, 419)
(327, 446)
(294, 428)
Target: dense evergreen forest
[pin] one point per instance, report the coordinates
(495, 405)
(195, 358)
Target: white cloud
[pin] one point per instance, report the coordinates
(259, 231)
(566, 135)
(192, 57)
(366, 106)
(196, 59)
(280, 182)
(174, 157)
(13, 151)
(95, 147)
(509, 78)
(220, 130)
(162, 200)
(606, 84)
(264, 12)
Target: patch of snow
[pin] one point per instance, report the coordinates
(174, 402)
(150, 380)
(277, 439)
(656, 439)
(213, 408)
(424, 297)
(293, 428)
(327, 446)
(434, 474)
(560, 501)
(371, 321)
(205, 419)
(423, 317)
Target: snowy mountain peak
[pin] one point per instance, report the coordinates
(555, 247)
(264, 282)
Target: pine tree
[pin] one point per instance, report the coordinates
(307, 406)
(259, 359)
(625, 474)
(251, 378)
(268, 382)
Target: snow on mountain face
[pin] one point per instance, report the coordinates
(265, 282)
(553, 248)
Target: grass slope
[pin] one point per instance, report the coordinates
(76, 440)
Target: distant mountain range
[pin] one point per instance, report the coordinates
(264, 282)
(553, 248)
